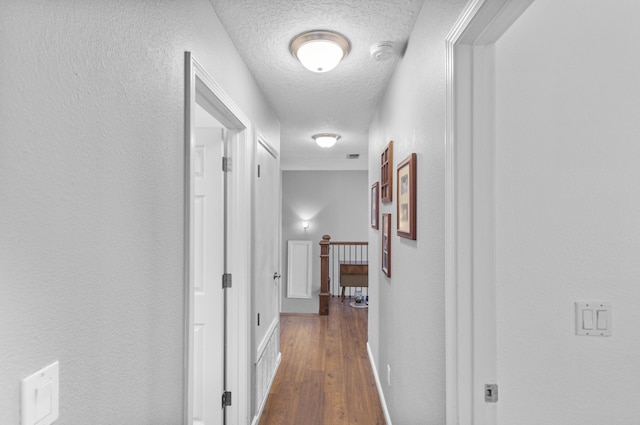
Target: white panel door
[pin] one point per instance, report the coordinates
(299, 269)
(266, 242)
(209, 253)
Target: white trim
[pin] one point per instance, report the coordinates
(263, 142)
(258, 416)
(265, 340)
(200, 87)
(469, 227)
(189, 137)
(241, 268)
(383, 402)
(274, 331)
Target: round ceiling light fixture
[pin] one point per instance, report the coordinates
(326, 140)
(320, 51)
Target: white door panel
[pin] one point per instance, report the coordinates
(209, 268)
(266, 239)
(266, 253)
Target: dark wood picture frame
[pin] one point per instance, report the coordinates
(375, 205)
(386, 244)
(406, 202)
(386, 173)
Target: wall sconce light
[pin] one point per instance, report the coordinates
(305, 225)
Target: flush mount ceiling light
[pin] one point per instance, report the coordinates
(320, 51)
(326, 140)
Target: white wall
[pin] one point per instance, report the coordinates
(336, 204)
(568, 197)
(406, 317)
(91, 188)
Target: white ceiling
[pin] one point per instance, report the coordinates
(340, 101)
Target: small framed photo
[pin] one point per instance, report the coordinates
(386, 173)
(406, 202)
(386, 244)
(375, 204)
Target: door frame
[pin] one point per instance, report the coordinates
(200, 87)
(470, 296)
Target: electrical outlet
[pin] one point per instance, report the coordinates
(389, 375)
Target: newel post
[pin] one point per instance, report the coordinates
(324, 275)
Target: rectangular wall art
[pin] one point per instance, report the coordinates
(375, 204)
(386, 173)
(386, 244)
(406, 202)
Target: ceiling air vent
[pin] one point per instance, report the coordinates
(353, 155)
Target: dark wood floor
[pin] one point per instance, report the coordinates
(325, 377)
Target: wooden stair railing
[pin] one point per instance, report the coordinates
(351, 260)
(324, 275)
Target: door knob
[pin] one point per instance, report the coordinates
(276, 276)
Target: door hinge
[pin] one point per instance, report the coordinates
(491, 393)
(226, 399)
(226, 164)
(226, 280)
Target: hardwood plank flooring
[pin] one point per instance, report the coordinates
(325, 377)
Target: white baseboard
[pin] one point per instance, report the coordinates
(387, 417)
(256, 418)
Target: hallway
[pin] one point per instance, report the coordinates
(325, 377)
(523, 119)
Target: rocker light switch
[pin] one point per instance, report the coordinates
(44, 400)
(602, 319)
(40, 397)
(593, 319)
(587, 319)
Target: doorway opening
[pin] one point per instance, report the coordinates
(470, 221)
(216, 249)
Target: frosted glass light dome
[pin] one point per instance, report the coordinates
(326, 140)
(320, 51)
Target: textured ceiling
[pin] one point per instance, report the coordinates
(341, 101)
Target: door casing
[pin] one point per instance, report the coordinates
(470, 309)
(200, 87)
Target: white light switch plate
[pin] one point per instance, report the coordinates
(40, 397)
(593, 318)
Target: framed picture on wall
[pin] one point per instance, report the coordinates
(386, 173)
(386, 244)
(406, 202)
(375, 204)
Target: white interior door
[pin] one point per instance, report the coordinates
(266, 281)
(266, 241)
(266, 238)
(209, 210)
